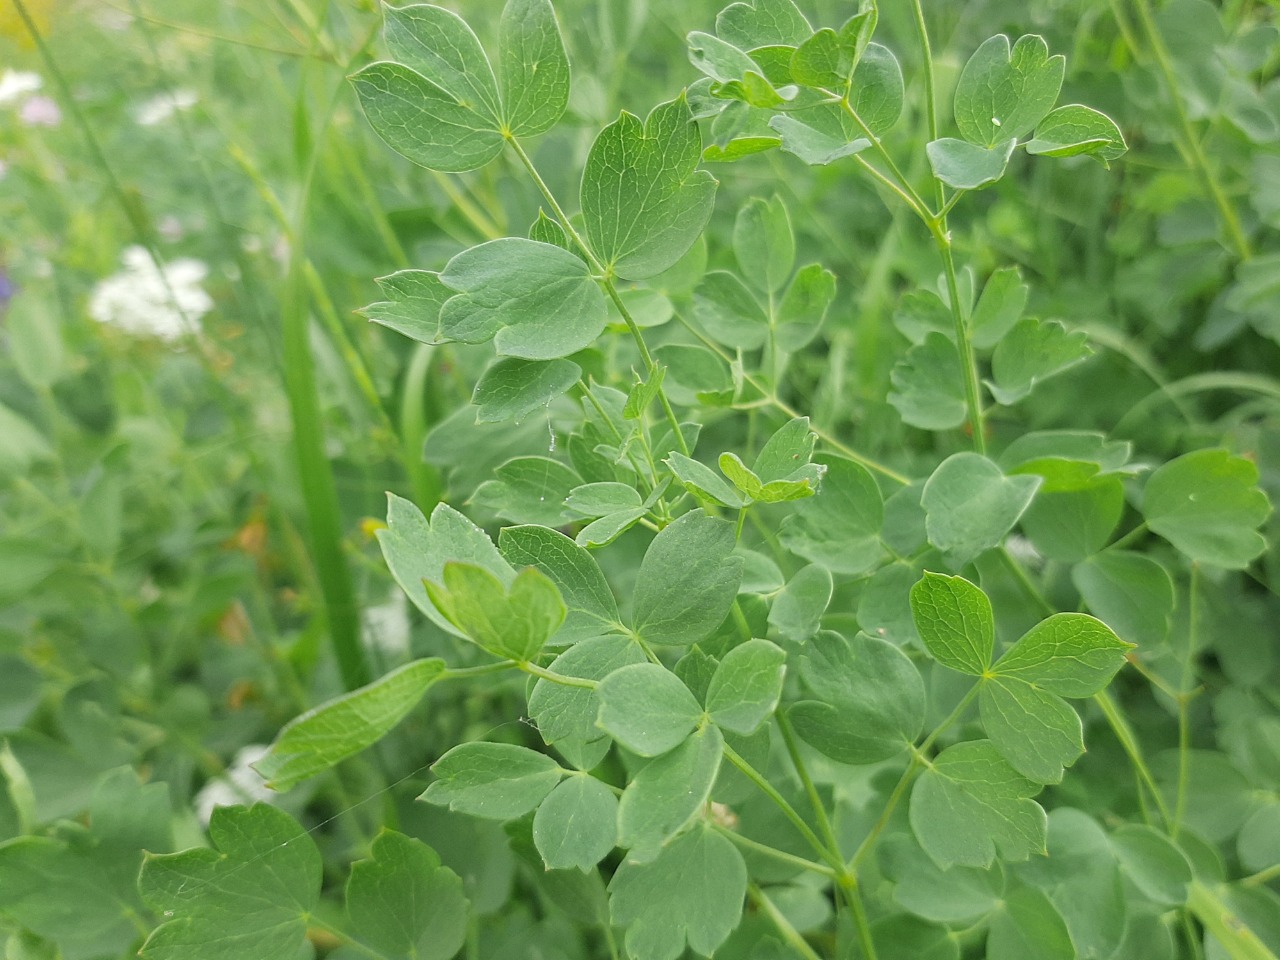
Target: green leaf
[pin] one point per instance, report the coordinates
(692, 893)
(1033, 351)
(971, 806)
(534, 300)
(1037, 732)
(1132, 593)
(1076, 130)
(824, 60)
(668, 793)
(608, 528)
(703, 482)
(821, 140)
(422, 122)
(787, 450)
(513, 623)
(1069, 654)
(533, 67)
(965, 166)
(529, 490)
(496, 781)
(325, 735)
(1258, 844)
(928, 385)
(569, 713)
(870, 704)
(647, 709)
(577, 825)
(804, 307)
(1208, 505)
(404, 903)
(970, 505)
(1071, 525)
(955, 622)
(412, 307)
(602, 499)
(688, 580)
(643, 201)
(440, 46)
(511, 388)
(957, 895)
(1029, 927)
(746, 686)
(839, 527)
(250, 895)
(721, 61)
(738, 148)
(643, 393)
(546, 230)
(796, 612)
(884, 607)
(1000, 307)
(1155, 865)
(764, 244)
(876, 92)
(729, 312)
(589, 602)
(922, 312)
(1003, 93)
(758, 23)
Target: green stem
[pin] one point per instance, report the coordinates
(1191, 148)
(1129, 742)
(774, 853)
(650, 365)
(424, 479)
(815, 800)
(1240, 942)
(854, 896)
(534, 670)
(768, 789)
(783, 925)
(1025, 581)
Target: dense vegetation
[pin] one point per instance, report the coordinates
(805, 491)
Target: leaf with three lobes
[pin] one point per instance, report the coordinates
(688, 580)
(589, 602)
(643, 201)
(497, 781)
(1077, 130)
(928, 389)
(870, 699)
(512, 388)
(249, 895)
(669, 792)
(404, 903)
(692, 893)
(647, 709)
(569, 713)
(1003, 93)
(971, 806)
(532, 66)
(965, 166)
(746, 687)
(327, 734)
(416, 551)
(1209, 506)
(577, 824)
(534, 300)
(1031, 352)
(412, 307)
(513, 623)
(954, 619)
(839, 527)
(970, 505)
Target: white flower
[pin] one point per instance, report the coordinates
(163, 106)
(16, 84)
(386, 626)
(239, 783)
(146, 302)
(40, 111)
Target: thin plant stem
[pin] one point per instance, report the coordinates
(565, 681)
(781, 923)
(764, 850)
(788, 811)
(1129, 742)
(650, 365)
(854, 895)
(1184, 726)
(815, 800)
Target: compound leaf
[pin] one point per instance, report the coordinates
(340, 728)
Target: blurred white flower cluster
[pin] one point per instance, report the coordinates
(145, 301)
(238, 784)
(385, 627)
(21, 88)
(163, 106)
